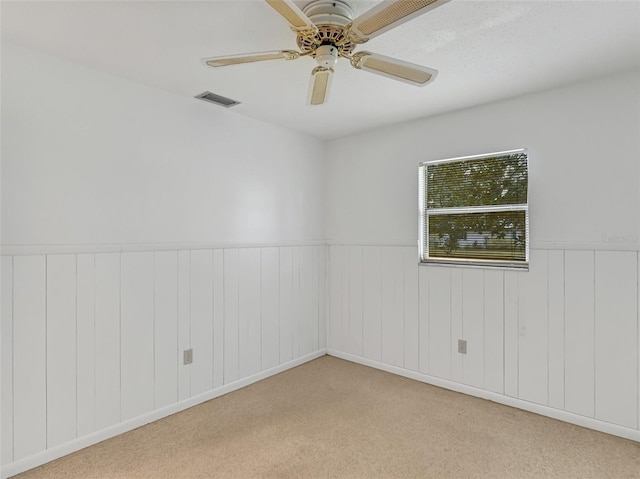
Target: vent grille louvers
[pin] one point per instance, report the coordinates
(217, 99)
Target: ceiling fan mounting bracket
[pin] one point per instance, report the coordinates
(329, 12)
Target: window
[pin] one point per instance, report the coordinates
(473, 210)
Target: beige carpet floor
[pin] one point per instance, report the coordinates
(333, 418)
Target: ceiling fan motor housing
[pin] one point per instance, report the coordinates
(330, 17)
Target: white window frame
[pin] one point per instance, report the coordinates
(424, 213)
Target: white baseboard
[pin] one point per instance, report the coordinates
(43, 457)
(590, 423)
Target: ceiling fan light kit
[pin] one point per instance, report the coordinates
(326, 31)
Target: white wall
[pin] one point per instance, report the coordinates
(561, 339)
(94, 159)
(583, 165)
(92, 338)
(137, 224)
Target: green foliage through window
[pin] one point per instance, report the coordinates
(474, 210)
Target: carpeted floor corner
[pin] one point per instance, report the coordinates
(332, 418)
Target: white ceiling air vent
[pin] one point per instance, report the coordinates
(217, 99)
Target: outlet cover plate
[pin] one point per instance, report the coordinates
(462, 346)
(187, 356)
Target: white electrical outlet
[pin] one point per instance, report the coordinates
(187, 356)
(462, 346)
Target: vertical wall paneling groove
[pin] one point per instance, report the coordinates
(306, 317)
(286, 304)
(533, 331)
(6, 336)
(439, 304)
(410, 302)
(579, 332)
(355, 300)
(201, 300)
(270, 307)
(423, 325)
(218, 318)
(231, 338)
(85, 344)
(494, 331)
(371, 320)
(165, 282)
(473, 326)
(296, 303)
(61, 349)
(137, 335)
(616, 346)
(249, 321)
(184, 322)
(456, 324)
(29, 355)
(556, 328)
(511, 333)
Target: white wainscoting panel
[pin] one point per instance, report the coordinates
(533, 374)
(511, 320)
(249, 316)
(439, 319)
(579, 311)
(270, 287)
(85, 344)
(218, 318)
(184, 322)
(166, 357)
(201, 302)
(322, 296)
(473, 366)
(107, 339)
(136, 335)
(354, 342)
(391, 306)
(555, 292)
(231, 308)
(286, 304)
(6, 336)
(61, 349)
(93, 342)
(562, 335)
(494, 330)
(371, 312)
(296, 302)
(410, 303)
(29, 355)
(616, 337)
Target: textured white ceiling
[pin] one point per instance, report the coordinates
(484, 51)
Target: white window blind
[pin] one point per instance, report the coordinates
(474, 210)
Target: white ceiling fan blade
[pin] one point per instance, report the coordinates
(389, 14)
(320, 85)
(250, 57)
(291, 13)
(394, 68)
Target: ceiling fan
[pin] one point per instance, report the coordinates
(326, 31)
